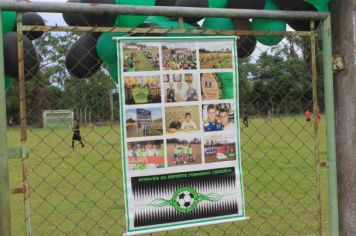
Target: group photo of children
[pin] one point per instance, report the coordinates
(213, 56)
(180, 87)
(183, 151)
(145, 154)
(142, 89)
(140, 57)
(179, 56)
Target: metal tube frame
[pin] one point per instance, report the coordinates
(5, 211)
(109, 9)
(330, 127)
(170, 12)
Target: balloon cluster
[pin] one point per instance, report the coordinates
(31, 57)
(86, 56)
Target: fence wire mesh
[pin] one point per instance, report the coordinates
(79, 191)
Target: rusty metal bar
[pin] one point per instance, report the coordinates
(159, 30)
(16, 190)
(99, 9)
(23, 122)
(316, 127)
(5, 211)
(180, 22)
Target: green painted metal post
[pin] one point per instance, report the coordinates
(330, 127)
(5, 216)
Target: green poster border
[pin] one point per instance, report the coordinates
(212, 220)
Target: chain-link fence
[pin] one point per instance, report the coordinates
(75, 190)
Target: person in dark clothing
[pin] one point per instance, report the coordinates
(245, 118)
(76, 133)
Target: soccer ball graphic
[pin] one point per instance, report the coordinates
(185, 199)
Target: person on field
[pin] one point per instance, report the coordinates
(307, 117)
(11, 123)
(245, 118)
(76, 133)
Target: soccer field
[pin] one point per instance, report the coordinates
(79, 192)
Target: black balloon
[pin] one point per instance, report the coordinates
(165, 2)
(246, 44)
(32, 18)
(101, 19)
(82, 60)
(192, 3)
(74, 19)
(246, 4)
(288, 4)
(302, 25)
(31, 58)
(147, 25)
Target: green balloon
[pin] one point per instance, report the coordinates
(269, 25)
(132, 20)
(106, 47)
(113, 72)
(321, 6)
(218, 24)
(8, 21)
(318, 2)
(226, 81)
(217, 3)
(8, 82)
(165, 22)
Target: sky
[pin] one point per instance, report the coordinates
(52, 18)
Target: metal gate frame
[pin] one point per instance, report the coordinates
(19, 7)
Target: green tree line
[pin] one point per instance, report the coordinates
(279, 80)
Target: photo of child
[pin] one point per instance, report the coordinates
(183, 151)
(181, 88)
(179, 56)
(182, 119)
(220, 148)
(145, 155)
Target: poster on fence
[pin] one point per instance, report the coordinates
(179, 132)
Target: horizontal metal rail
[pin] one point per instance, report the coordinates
(154, 30)
(99, 9)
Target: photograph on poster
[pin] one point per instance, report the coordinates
(179, 56)
(216, 86)
(141, 122)
(180, 87)
(218, 117)
(183, 151)
(145, 155)
(140, 56)
(182, 119)
(142, 89)
(215, 55)
(220, 148)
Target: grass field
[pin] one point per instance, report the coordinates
(79, 192)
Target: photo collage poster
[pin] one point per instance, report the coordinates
(180, 132)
